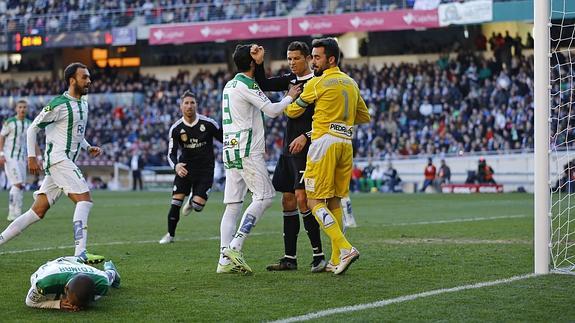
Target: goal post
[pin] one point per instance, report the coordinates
(542, 232)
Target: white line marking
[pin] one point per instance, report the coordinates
(114, 243)
(516, 216)
(401, 299)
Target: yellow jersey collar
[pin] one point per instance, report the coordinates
(331, 70)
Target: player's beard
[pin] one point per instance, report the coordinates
(317, 71)
(83, 90)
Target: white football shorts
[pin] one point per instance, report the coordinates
(253, 176)
(63, 177)
(15, 170)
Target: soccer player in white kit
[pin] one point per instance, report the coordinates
(243, 106)
(64, 119)
(13, 156)
(68, 284)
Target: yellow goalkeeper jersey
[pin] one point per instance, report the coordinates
(338, 104)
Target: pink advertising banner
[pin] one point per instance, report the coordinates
(285, 27)
(365, 21)
(208, 32)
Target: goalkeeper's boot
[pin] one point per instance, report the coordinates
(166, 239)
(347, 258)
(284, 263)
(330, 267)
(318, 264)
(237, 258)
(230, 268)
(109, 265)
(91, 259)
(187, 208)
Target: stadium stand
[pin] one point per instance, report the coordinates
(452, 106)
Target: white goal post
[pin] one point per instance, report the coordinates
(554, 104)
(541, 92)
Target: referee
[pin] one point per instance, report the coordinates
(288, 175)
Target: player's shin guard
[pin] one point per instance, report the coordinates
(291, 231)
(253, 213)
(331, 227)
(174, 216)
(312, 228)
(228, 227)
(80, 222)
(18, 225)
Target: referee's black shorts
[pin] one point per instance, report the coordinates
(288, 175)
(198, 182)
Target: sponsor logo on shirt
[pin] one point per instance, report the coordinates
(341, 129)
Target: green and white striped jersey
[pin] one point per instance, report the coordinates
(14, 133)
(51, 278)
(64, 119)
(242, 120)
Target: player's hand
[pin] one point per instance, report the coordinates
(66, 306)
(181, 169)
(257, 53)
(294, 91)
(2, 160)
(297, 144)
(34, 167)
(94, 151)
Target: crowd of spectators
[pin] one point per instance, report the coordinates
(54, 16)
(451, 106)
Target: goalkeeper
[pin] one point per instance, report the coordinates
(338, 107)
(68, 284)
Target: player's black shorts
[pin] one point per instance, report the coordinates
(198, 182)
(288, 174)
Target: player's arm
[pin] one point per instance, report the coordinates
(37, 300)
(173, 149)
(218, 132)
(3, 133)
(93, 151)
(278, 83)
(362, 114)
(47, 116)
(259, 99)
(307, 97)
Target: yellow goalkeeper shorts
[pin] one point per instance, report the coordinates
(328, 167)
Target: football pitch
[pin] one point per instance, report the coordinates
(423, 258)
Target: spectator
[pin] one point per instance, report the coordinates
(429, 175)
(136, 166)
(444, 173)
(485, 172)
(391, 179)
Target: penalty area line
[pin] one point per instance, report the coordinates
(401, 299)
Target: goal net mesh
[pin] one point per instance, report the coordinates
(562, 132)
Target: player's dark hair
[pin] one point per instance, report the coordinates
(84, 288)
(70, 71)
(301, 46)
(330, 46)
(187, 94)
(242, 57)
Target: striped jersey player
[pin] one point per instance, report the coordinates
(13, 156)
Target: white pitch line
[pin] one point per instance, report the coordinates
(401, 299)
(114, 243)
(516, 216)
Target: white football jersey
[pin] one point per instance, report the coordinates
(242, 119)
(14, 133)
(64, 120)
(49, 281)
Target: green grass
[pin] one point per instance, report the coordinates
(401, 254)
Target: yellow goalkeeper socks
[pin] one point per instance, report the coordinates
(331, 227)
(338, 215)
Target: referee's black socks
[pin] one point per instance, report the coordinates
(312, 228)
(291, 231)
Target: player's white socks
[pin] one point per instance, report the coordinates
(16, 198)
(253, 213)
(18, 225)
(228, 227)
(80, 221)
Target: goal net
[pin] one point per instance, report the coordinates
(561, 122)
